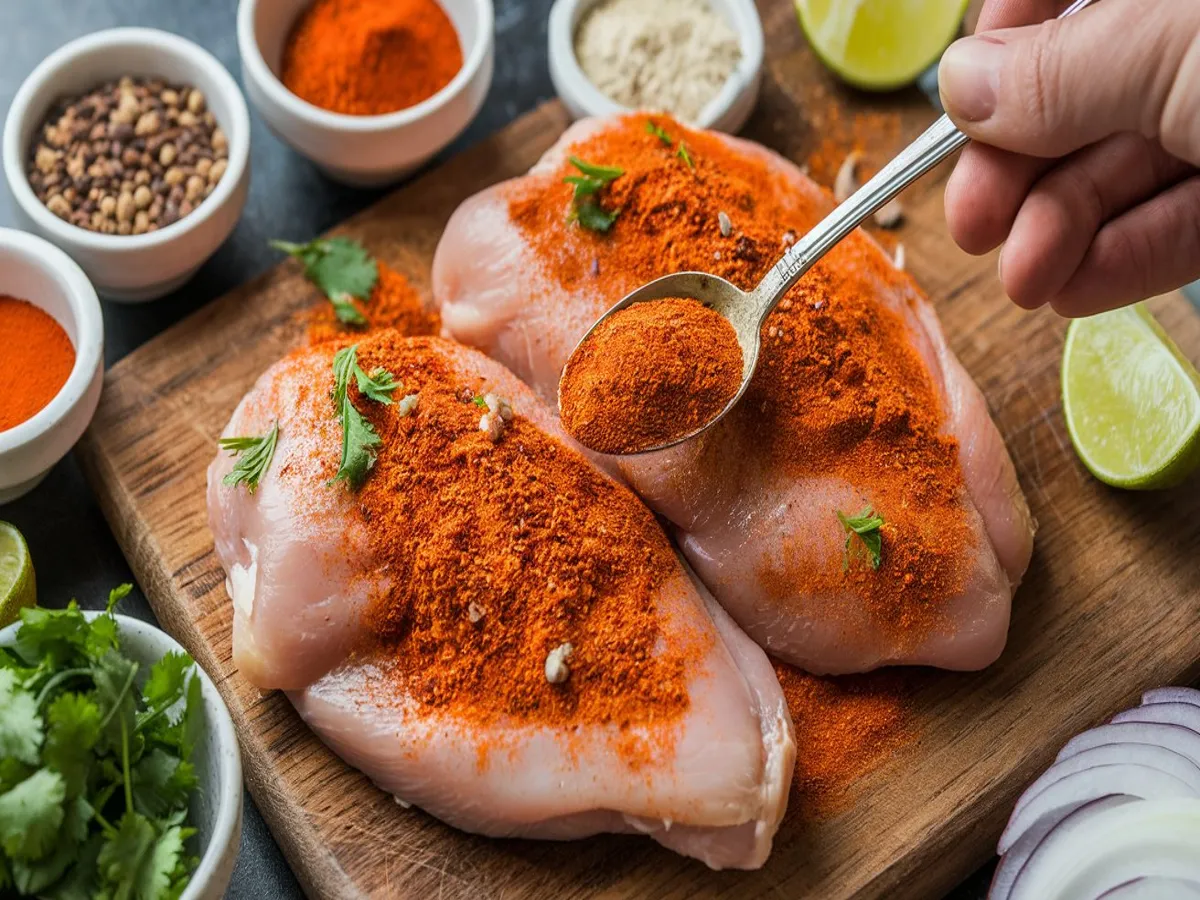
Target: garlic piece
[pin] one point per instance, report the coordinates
(556, 664)
(407, 405)
(889, 215)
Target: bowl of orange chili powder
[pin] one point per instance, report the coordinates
(51, 358)
(366, 89)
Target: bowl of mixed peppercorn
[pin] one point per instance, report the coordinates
(129, 149)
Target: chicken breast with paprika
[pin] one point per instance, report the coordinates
(858, 507)
(480, 619)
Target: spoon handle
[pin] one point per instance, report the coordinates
(937, 142)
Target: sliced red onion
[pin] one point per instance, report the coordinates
(1171, 695)
(1182, 740)
(1154, 889)
(1148, 755)
(1130, 779)
(1184, 714)
(1085, 855)
(1012, 862)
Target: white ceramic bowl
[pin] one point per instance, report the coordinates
(132, 267)
(363, 150)
(727, 111)
(34, 270)
(216, 807)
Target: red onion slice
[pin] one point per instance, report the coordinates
(1130, 779)
(1086, 855)
(1012, 862)
(1184, 714)
(1148, 755)
(1154, 889)
(1182, 740)
(1171, 695)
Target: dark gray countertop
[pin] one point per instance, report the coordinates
(72, 547)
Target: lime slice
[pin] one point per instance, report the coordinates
(880, 44)
(17, 587)
(1131, 399)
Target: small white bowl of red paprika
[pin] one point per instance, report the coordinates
(51, 358)
(371, 90)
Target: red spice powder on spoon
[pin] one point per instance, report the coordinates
(649, 375)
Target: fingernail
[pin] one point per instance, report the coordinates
(969, 77)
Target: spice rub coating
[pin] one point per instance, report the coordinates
(650, 374)
(420, 623)
(856, 404)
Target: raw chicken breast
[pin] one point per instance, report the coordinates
(706, 775)
(759, 529)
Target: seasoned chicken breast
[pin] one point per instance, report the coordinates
(412, 618)
(857, 403)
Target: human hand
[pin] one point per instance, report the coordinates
(1086, 149)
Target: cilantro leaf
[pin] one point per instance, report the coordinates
(377, 386)
(167, 680)
(73, 728)
(160, 872)
(658, 132)
(683, 154)
(595, 218)
(101, 637)
(113, 675)
(866, 527)
(341, 268)
(52, 636)
(117, 594)
(30, 815)
(125, 855)
(359, 438)
(36, 877)
(254, 457)
(20, 724)
(586, 208)
(162, 782)
(80, 880)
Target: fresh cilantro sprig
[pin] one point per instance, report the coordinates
(341, 268)
(585, 204)
(359, 438)
(95, 768)
(254, 457)
(865, 526)
(683, 154)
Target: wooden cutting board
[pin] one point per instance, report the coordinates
(1110, 604)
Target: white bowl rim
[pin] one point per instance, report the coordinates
(743, 78)
(89, 338)
(237, 132)
(257, 68)
(229, 799)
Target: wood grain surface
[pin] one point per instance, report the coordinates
(1109, 607)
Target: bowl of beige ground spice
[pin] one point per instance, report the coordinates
(700, 60)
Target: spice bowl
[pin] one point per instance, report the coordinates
(727, 111)
(34, 270)
(132, 267)
(216, 806)
(363, 150)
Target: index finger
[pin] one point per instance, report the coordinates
(1014, 13)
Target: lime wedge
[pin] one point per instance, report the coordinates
(880, 45)
(17, 587)
(1131, 399)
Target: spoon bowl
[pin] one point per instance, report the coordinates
(736, 306)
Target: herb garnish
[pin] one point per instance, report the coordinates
(95, 772)
(866, 526)
(254, 457)
(359, 438)
(479, 401)
(683, 154)
(586, 208)
(658, 132)
(341, 268)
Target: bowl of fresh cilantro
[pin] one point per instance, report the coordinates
(119, 767)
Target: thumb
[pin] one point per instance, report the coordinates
(1049, 89)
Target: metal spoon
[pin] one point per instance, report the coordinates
(747, 310)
